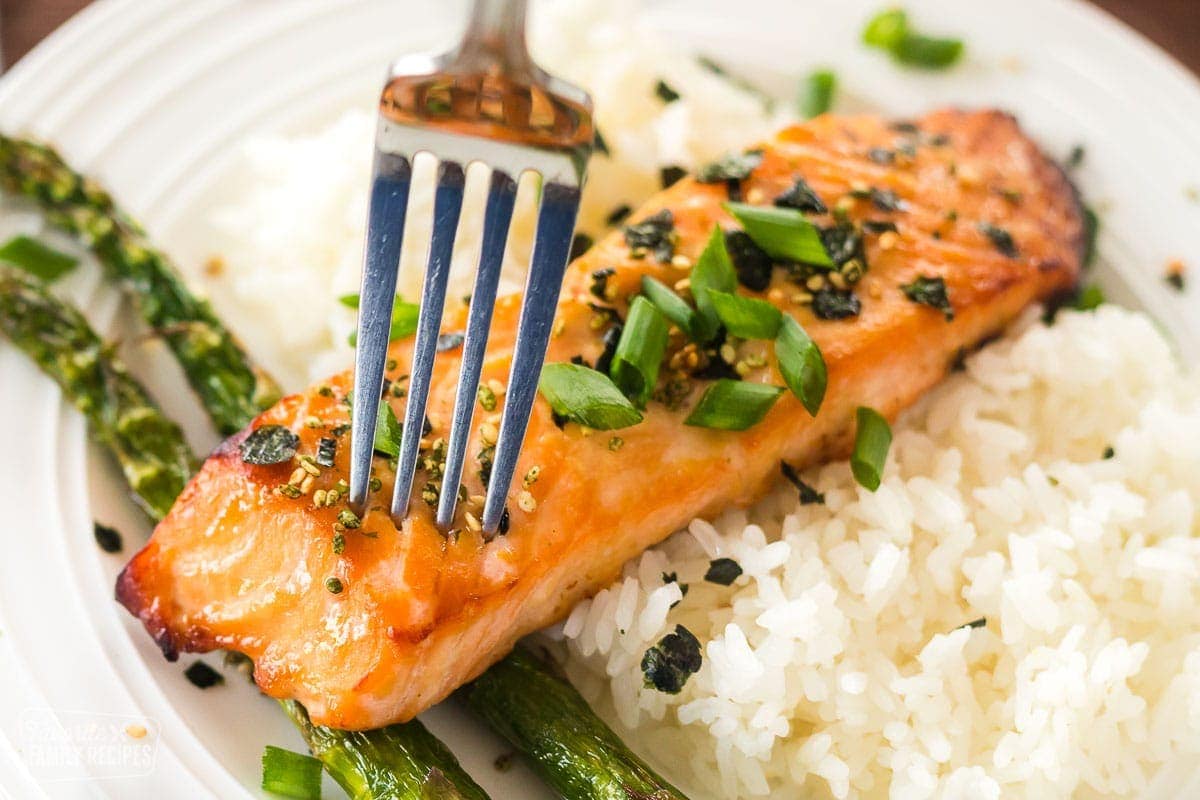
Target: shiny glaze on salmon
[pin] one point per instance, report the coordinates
(237, 565)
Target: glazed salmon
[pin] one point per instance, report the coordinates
(368, 624)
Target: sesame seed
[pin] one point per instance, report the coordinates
(873, 290)
(742, 368)
(852, 270)
(531, 477)
(488, 433)
(472, 522)
(845, 203)
(728, 353)
(306, 485)
(487, 398)
(683, 284)
(297, 475)
(136, 731)
(477, 499)
(775, 296)
(314, 422)
(814, 283)
(681, 261)
(496, 386)
(838, 280)
(802, 298)
(526, 502)
(755, 196)
(888, 240)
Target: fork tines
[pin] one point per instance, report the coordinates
(509, 152)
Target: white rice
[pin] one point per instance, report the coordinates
(838, 664)
(292, 240)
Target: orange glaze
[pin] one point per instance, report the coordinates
(236, 565)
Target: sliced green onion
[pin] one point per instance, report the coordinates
(640, 351)
(586, 396)
(671, 305)
(801, 364)
(782, 233)
(1090, 297)
(712, 271)
(816, 93)
(871, 444)
(39, 260)
(404, 318)
(890, 31)
(729, 405)
(1091, 229)
(928, 52)
(886, 29)
(289, 774)
(746, 317)
(388, 431)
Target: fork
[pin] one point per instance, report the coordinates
(485, 101)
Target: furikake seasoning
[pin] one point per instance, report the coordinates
(269, 444)
(654, 234)
(930, 291)
(667, 665)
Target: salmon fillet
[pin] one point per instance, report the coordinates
(239, 565)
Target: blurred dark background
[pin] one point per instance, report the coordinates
(1173, 24)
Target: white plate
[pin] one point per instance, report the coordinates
(149, 95)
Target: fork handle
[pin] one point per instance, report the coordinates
(496, 31)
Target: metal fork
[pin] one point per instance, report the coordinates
(486, 101)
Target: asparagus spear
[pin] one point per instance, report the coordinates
(231, 389)
(399, 762)
(547, 720)
(147, 445)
